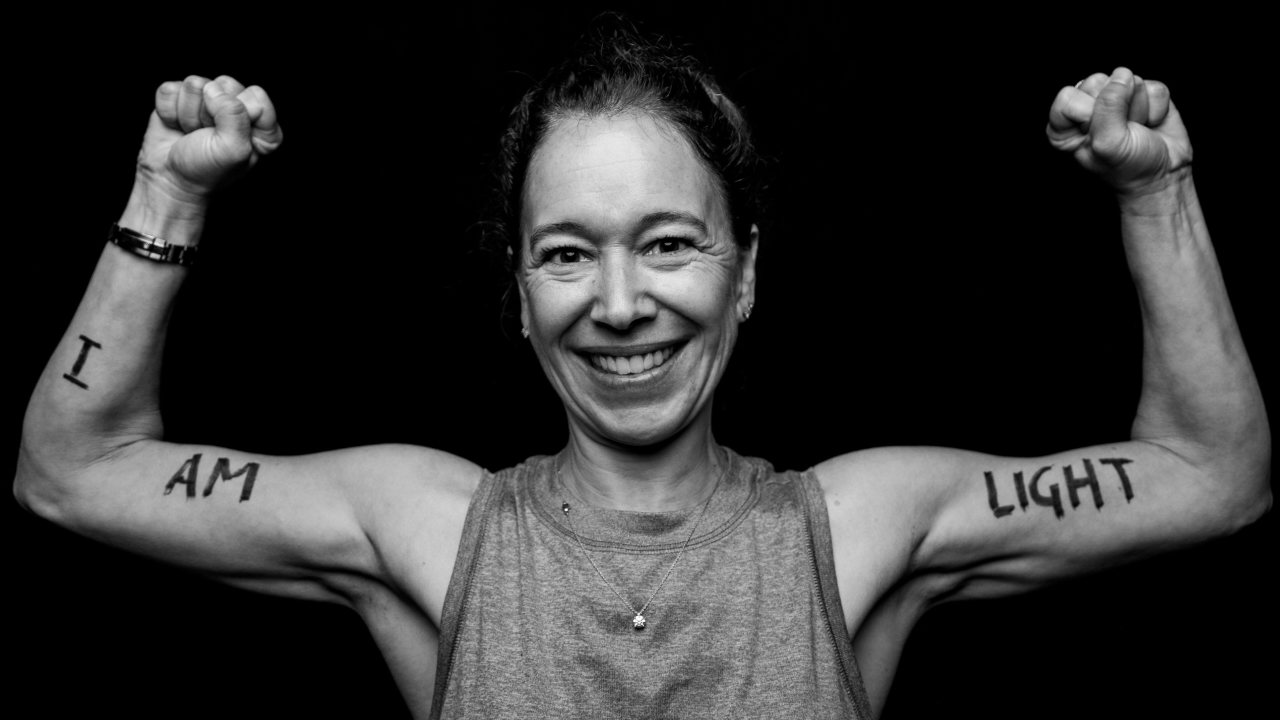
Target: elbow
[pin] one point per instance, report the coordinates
(1234, 471)
(1255, 503)
(49, 476)
(55, 462)
(1244, 483)
(36, 489)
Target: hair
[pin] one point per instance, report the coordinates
(614, 70)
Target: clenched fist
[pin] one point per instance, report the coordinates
(203, 133)
(1121, 127)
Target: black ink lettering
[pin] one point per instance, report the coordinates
(189, 468)
(1118, 464)
(222, 469)
(1053, 500)
(1022, 490)
(1089, 479)
(999, 510)
(79, 363)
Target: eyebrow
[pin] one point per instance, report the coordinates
(569, 227)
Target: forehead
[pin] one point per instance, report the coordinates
(608, 172)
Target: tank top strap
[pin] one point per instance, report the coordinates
(484, 503)
(815, 507)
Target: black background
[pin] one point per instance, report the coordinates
(935, 275)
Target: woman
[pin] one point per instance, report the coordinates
(684, 472)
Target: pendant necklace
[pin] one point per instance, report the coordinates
(638, 621)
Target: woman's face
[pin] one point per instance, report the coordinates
(631, 285)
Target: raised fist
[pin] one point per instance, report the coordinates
(1121, 127)
(205, 132)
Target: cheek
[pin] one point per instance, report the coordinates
(555, 303)
(701, 293)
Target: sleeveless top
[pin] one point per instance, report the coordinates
(749, 624)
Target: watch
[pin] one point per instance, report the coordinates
(151, 247)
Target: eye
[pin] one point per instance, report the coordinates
(564, 255)
(667, 246)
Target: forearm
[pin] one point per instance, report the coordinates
(100, 389)
(1200, 397)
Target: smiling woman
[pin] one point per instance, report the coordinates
(630, 254)
(645, 569)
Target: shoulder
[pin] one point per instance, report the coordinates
(888, 477)
(881, 504)
(390, 480)
(888, 500)
(412, 503)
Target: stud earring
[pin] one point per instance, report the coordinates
(746, 314)
(524, 331)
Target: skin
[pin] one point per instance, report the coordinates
(377, 528)
(597, 275)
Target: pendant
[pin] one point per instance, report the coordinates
(638, 621)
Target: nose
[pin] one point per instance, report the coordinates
(622, 293)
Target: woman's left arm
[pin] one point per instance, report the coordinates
(1200, 399)
(946, 524)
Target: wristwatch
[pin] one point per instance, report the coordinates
(151, 247)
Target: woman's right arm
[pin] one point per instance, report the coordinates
(92, 457)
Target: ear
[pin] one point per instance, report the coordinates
(524, 298)
(524, 303)
(747, 273)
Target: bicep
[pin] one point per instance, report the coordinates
(1004, 525)
(959, 524)
(295, 526)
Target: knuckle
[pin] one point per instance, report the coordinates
(1110, 97)
(230, 84)
(1106, 143)
(195, 82)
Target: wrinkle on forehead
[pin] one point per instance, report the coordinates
(576, 143)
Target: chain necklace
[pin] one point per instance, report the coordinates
(639, 621)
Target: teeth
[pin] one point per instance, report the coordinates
(631, 365)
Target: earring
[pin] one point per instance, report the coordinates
(524, 331)
(746, 314)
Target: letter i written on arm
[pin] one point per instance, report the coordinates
(74, 375)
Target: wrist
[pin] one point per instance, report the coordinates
(1165, 196)
(173, 216)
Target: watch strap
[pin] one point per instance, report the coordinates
(151, 247)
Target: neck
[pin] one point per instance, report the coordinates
(677, 474)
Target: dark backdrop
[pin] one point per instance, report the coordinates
(935, 274)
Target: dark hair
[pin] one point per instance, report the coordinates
(615, 69)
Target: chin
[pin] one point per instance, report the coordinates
(641, 428)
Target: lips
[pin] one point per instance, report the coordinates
(629, 360)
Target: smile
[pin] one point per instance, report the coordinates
(625, 361)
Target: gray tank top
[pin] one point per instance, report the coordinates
(748, 625)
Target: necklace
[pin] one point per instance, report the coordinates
(638, 621)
